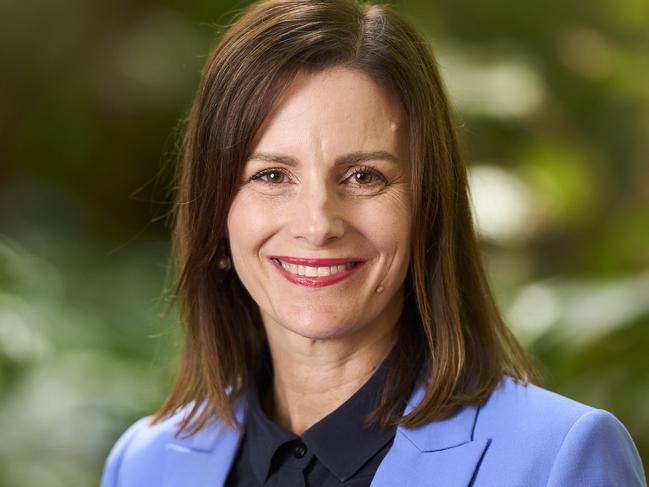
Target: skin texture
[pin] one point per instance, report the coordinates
(325, 342)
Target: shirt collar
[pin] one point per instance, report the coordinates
(264, 436)
(340, 441)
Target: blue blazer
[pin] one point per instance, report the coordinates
(521, 436)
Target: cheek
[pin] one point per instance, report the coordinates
(250, 222)
(386, 223)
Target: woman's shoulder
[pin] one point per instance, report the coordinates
(558, 435)
(520, 401)
(142, 444)
(517, 408)
(141, 454)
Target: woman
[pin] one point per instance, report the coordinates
(339, 328)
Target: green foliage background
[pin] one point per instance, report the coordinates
(553, 102)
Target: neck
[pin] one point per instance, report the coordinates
(312, 378)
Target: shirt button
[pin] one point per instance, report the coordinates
(299, 450)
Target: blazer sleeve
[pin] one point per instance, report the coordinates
(110, 476)
(597, 451)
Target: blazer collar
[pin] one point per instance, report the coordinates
(453, 431)
(440, 453)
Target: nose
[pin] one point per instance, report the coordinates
(317, 217)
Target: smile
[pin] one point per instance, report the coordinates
(315, 272)
(305, 270)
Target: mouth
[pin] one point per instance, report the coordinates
(316, 272)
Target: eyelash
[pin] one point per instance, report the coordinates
(359, 170)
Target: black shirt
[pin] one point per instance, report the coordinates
(335, 451)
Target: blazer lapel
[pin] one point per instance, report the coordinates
(204, 459)
(441, 453)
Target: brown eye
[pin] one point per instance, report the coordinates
(363, 177)
(271, 176)
(366, 176)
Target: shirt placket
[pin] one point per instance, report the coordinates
(294, 460)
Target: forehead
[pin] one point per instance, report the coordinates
(336, 108)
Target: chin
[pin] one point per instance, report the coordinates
(319, 328)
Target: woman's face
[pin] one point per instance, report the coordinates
(320, 228)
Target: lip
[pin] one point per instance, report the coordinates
(320, 281)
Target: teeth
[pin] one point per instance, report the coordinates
(308, 271)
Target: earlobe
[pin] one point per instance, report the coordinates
(224, 261)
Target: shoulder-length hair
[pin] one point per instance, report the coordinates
(452, 334)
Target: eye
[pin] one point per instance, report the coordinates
(270, 176)
(366, 176)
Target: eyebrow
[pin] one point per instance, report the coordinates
(351, 158)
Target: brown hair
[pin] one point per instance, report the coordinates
(451, 332)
